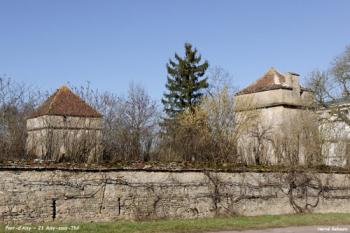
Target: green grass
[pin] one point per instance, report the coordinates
(201, 225)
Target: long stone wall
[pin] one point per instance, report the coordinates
(32, 195)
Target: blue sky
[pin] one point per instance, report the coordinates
(111, 43)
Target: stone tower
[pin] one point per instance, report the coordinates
(279, 103)
(65, 128)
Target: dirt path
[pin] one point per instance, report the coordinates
(304, 229)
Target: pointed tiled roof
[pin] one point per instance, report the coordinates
(272, 79)
(65, 103)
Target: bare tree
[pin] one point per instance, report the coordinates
(262, 138)
(112, 108)
(140, 122)
(16, 102)
(220, 79)
(332, 92)
(332, 87)
(130, 123)
(302, 143)
(225, 124)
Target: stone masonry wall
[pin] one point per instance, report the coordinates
(32, 195)
(60, 138)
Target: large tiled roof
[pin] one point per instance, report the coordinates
(271, 80)
(65, 103)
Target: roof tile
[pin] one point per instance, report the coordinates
(65, 103)
(271, 80)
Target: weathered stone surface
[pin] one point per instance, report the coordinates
(56, 137)
(65, 128)
(281, 108)
(28, 196)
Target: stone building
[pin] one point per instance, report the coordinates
(336, 132)
(281, 106)
(65, 128)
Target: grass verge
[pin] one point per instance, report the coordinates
(195, 225)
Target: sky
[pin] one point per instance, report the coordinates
(111, 43)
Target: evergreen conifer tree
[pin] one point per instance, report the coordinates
(185, 82)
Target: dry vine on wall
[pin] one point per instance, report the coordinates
(110, 195)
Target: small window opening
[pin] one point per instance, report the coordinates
(119, 206)
(53, 209)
